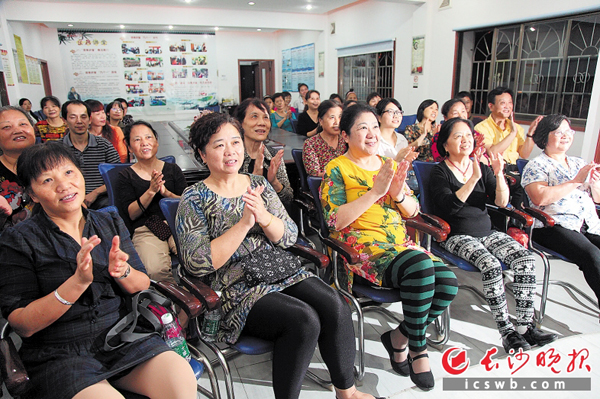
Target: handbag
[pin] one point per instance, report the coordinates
(268, 265)
(158, 227)
(144, 319)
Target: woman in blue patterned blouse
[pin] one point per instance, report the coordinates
(226, 217)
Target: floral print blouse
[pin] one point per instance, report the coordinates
(573, 209)
(316, 154)
(48, 132)
(203, 216)
(412, 133)
(379, 234)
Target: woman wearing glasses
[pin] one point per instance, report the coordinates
(566, 188)
(114, 114)
(392, 144)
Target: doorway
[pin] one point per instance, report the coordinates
(256, 77)
(46, 78)
(3, 91)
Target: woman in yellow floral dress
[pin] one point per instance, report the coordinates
(364, 199)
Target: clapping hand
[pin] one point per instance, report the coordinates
(5, 209)
(582, 175)
(477, 166)
(117, 259)
(85, 266)
(255, 206)
(497, 162)
(399, 180)
(407, 154)
(274, 166)
(258, 162)
(157, 184)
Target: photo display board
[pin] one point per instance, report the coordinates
(298, 66)
(152, 71)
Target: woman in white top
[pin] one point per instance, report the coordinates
(392, 144)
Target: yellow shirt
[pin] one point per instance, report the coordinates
(492, 135)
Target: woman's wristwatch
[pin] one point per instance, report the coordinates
(126, 273)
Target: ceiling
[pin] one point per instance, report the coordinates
(292, 6)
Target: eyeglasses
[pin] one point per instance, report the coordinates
(116, 110)
(567, 132)
(394, 112)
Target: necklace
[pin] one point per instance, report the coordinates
(457, 168)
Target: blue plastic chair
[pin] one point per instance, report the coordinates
(407, 120)
(546, 254)
(363, 295)
(246, 345)
(305, 200)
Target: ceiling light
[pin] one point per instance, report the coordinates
(188, 1)
(251, 3)
(122, 26)
(69, 25)
(170, 26)
(216, 28)
(309, 7)
(259, 29)
(532, 29)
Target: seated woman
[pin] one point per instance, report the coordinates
(230, 215)
(127, 119)
(566, 188)
(308, 121)
(54, 127)
(67, 274)
(351, 96)
(269, 101)
(327, 145)
(253, 115)
(114, 114)
(141, 187)
(16, 134)
(462, 188)
(336, 99)
(364, 199)
(456, 108)
(26, 105)
(283, 116)
(420, 135)
(392, 144)
(99, 127)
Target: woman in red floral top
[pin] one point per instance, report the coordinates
(54, 127)
(327, 145)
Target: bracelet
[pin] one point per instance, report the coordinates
(141, 206)
(268, 224)
(126, 273)
(530, 136)
(61, 299)
(402, 200)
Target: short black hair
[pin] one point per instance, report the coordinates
(349, 103)
(286, 94)
(380, 107)
(491, 97)
(276, 96)
(448, 104)
(445, 131)
(463, 94)
(39, 158)
(425, 104)
(112, 104)
(63, 111)
(205, 127)
(22, 101)
(267, 97)
(372, 96)
(52, 99)
(309, 93)
(548, 124)
(351, 113)
(325, 106)
(240, 111)
(122, 100)
(127, 130)
(302, 84)
(335, 95)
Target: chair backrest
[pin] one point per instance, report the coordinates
(521, 164)
(110, 175)
(423, 172)
(407, 120)
(169, 206)
(314, 185)
(297, 155)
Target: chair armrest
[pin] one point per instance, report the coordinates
(436, 221)
(520, 216)
(182, 298)
(304, 205)
(346, 251)
(316, 257)
(13, 372)
(547, 220)
(418, 223)
(209, 299)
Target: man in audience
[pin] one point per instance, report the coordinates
(467, 99)
(502, 135)
(90, 150)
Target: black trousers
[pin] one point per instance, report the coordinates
(581, 248)
(298, 318)
(517, 192)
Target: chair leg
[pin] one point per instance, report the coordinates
(442, 327)
(216, 392)
(222, 361)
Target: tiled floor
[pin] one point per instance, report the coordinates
(473, 330)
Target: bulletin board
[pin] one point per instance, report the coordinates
(298, 66)
(152, 71)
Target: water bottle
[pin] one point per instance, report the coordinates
(210, 325)
(173, 337)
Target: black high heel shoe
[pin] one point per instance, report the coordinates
(422, 380)
(399, 367)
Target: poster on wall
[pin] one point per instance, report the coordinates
(33, 70)
(152, 71)
(298, 66)
(20, 57)
(7, 70)
(418, 55)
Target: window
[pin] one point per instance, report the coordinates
(550, 65)
(366, 73)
